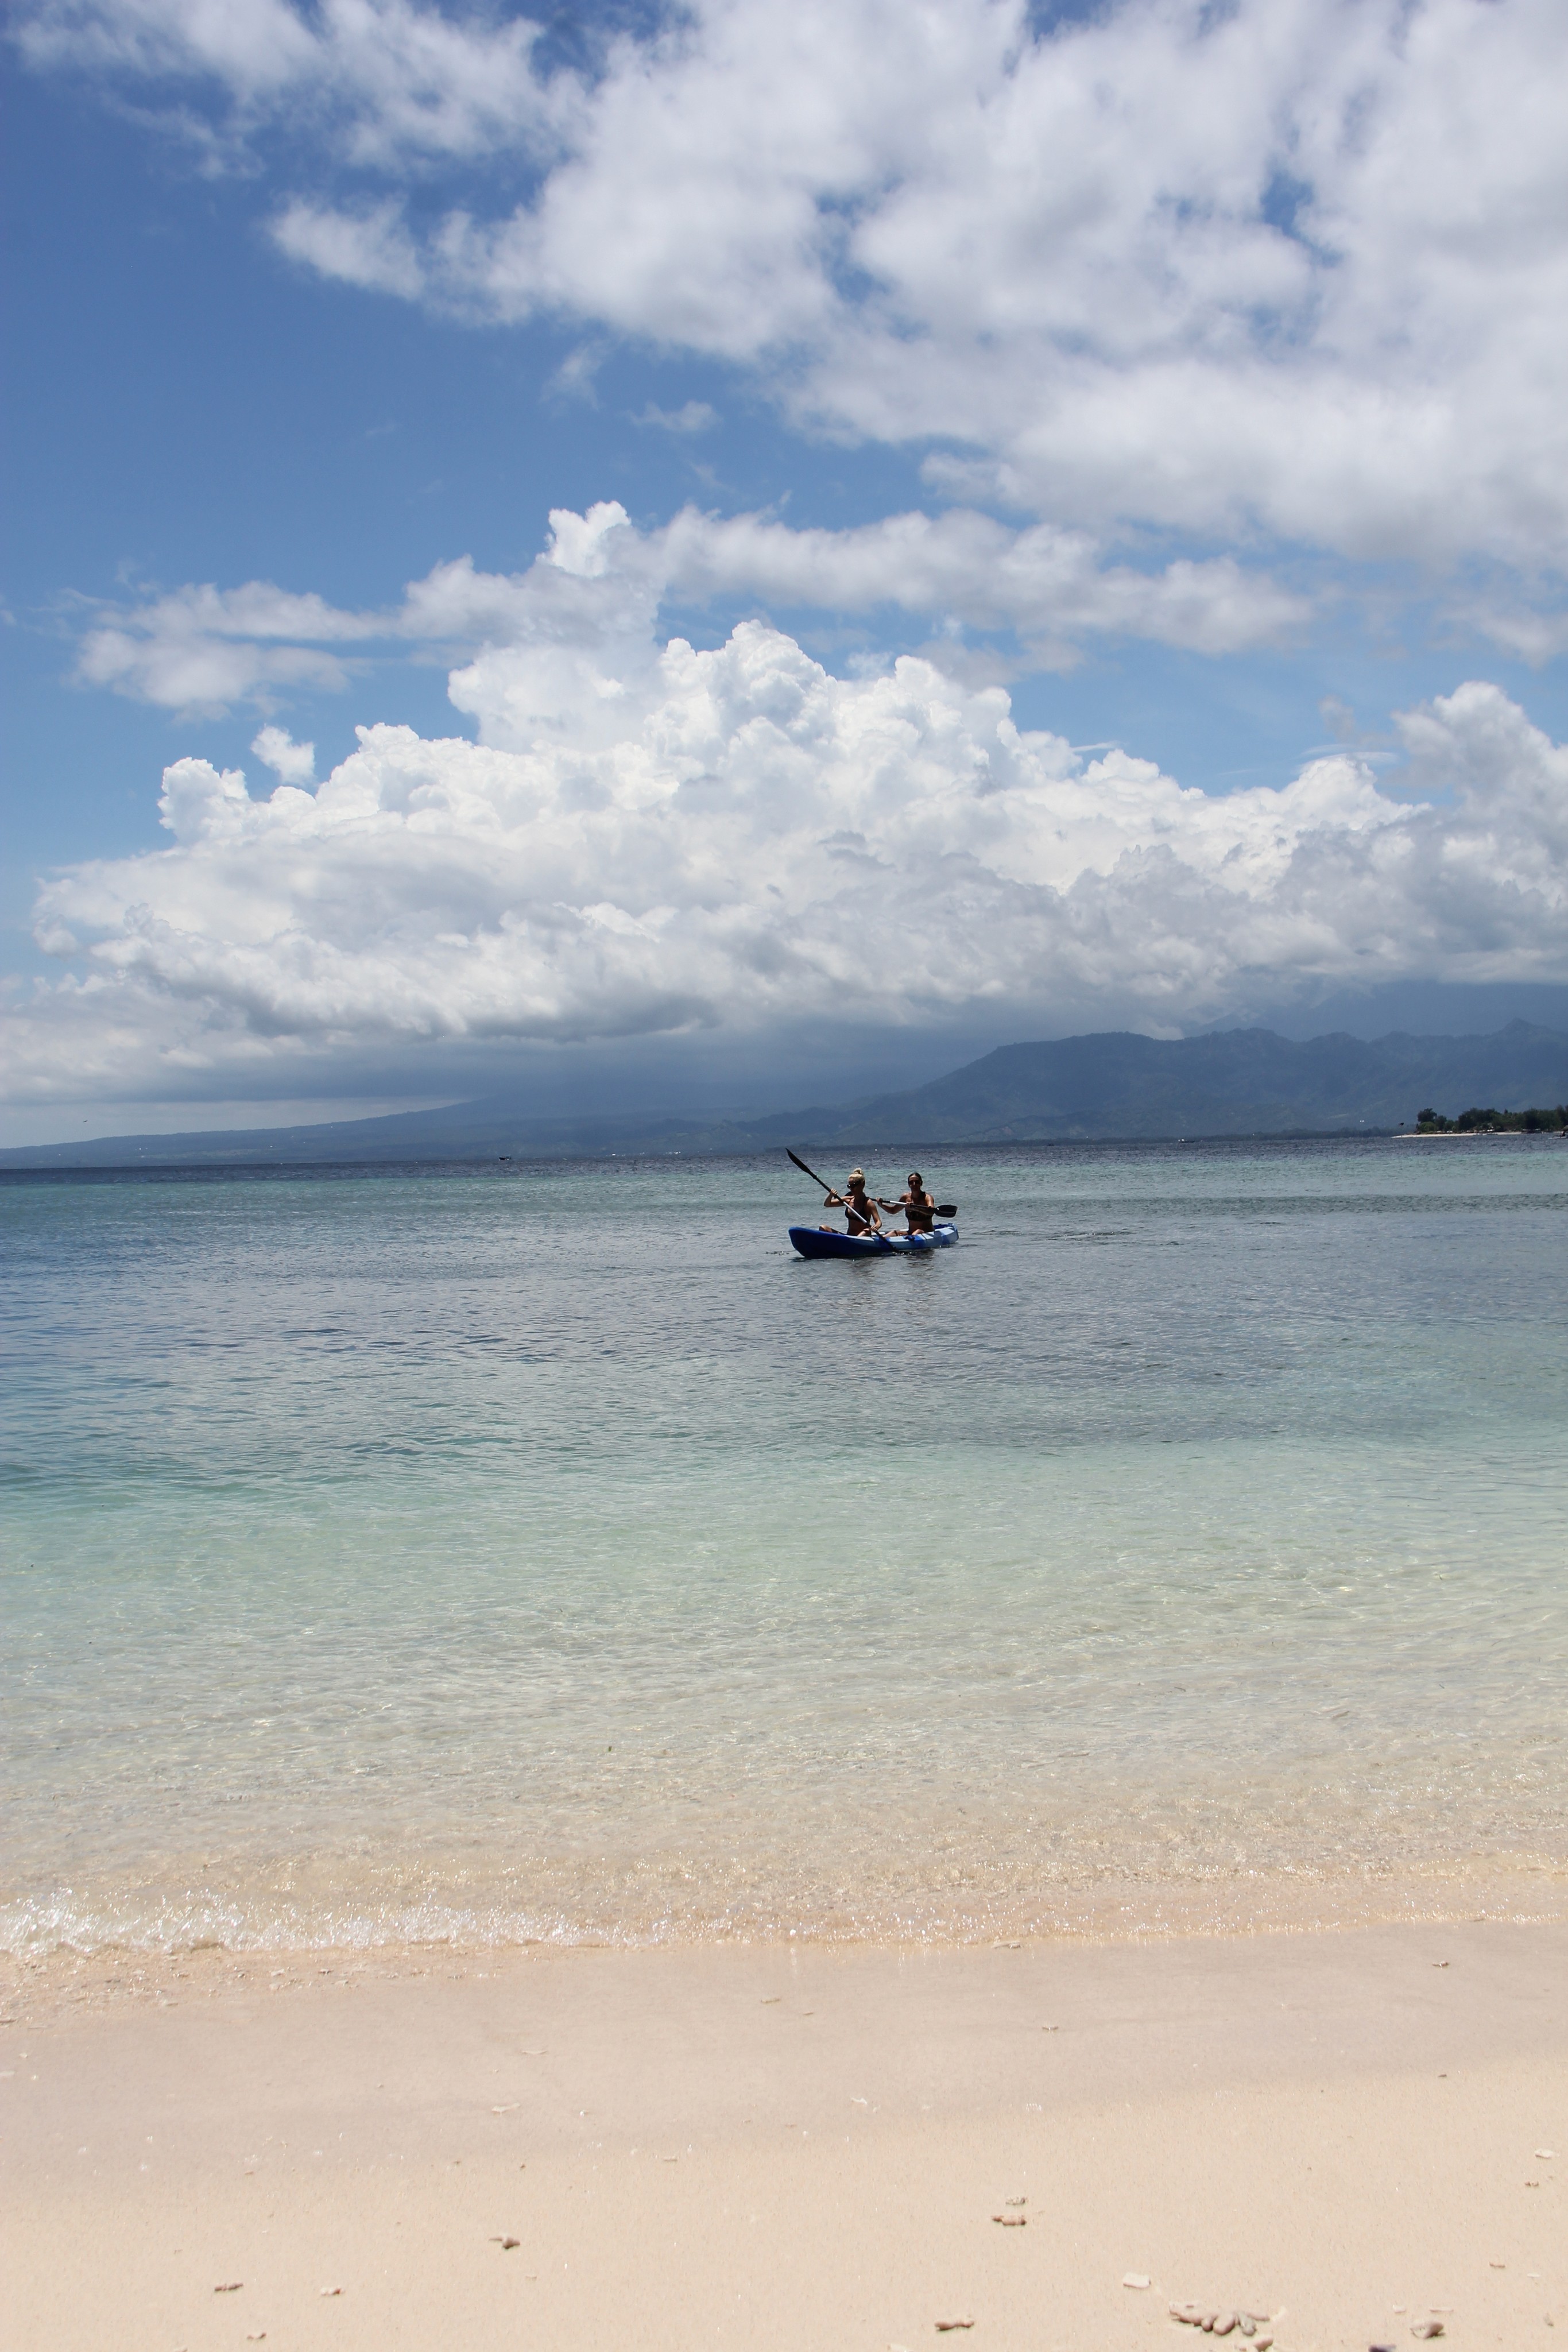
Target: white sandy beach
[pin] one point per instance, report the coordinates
(1345, 2131)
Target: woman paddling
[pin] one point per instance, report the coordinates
(860, 1214)
(919, 1208)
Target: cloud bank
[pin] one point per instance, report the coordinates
(1293, 268)
(1181, 290)
(654, 839)
(601, 582)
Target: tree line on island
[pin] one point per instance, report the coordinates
(1552, 1120)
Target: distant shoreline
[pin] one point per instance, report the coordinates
(1112, 1086)
(16, 1169)
(491, 1163)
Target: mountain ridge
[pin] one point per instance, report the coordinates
(1105, 1087)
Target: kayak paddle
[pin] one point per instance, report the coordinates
(808, 1171)
(943, 1208)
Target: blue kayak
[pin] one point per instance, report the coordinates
(817, 1241)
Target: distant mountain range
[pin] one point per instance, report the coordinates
(1095, 1088)
(1240, 1082)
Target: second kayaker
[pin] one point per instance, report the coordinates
(919, 1209)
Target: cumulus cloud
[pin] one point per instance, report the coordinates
(733, 841)
(1053, 587)
(1277, 271)
(601, 583)
(291, 763)
(1282, 267)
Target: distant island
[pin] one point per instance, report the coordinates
(1112, 1086)
(1552, 1120)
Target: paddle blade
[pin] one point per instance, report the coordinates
(804, 1170)
(946, 1208)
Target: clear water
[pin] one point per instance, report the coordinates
(547, 1551)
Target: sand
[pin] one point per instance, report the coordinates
(782, 2147)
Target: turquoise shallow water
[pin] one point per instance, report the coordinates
(547, 1551)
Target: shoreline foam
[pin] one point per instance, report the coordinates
(53, 1978)
(1115, 1905)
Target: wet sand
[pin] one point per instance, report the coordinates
(779, 2146)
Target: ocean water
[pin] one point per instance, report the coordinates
(544, 1551)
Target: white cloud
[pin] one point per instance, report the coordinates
(691, 417)
(735, 840)
(1053, 586)
(1288, 270)
(199, 673)
(1535, 637)
(1289, 267)
(369, 248)
(291, 763)
(597, 587)
(383, 81)
(205, 648)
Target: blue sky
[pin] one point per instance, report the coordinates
(1232, 410)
